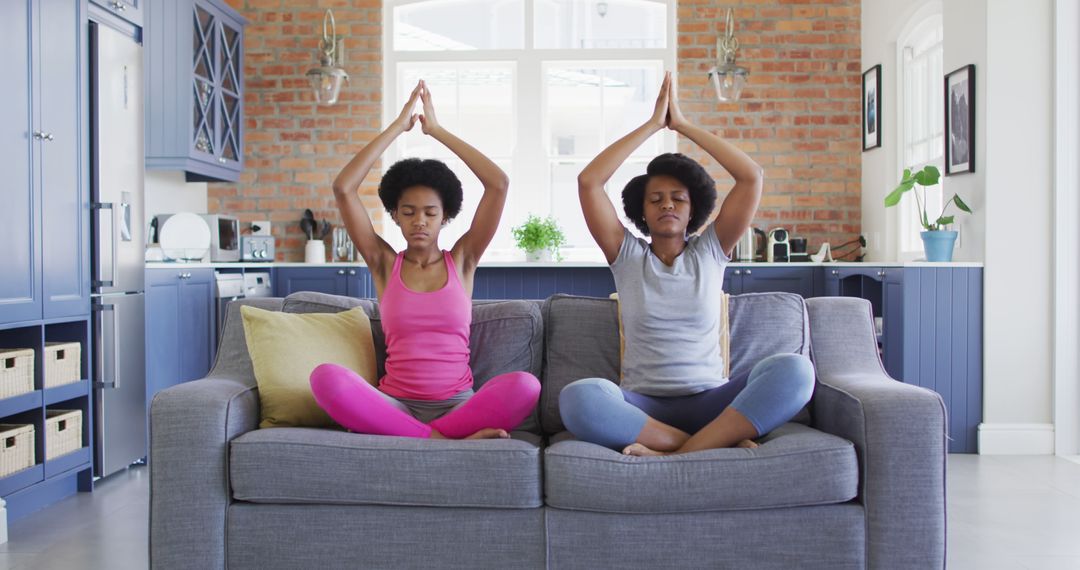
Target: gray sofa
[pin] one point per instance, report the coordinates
(856, 480)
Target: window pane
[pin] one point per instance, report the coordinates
(612, 24)
(566, 207)
(449, 25)
(475, 101)
(588, 108)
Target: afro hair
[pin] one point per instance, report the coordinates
(434, 174)
(701, 186)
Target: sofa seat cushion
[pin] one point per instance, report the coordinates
(794, 466)
(306, 465)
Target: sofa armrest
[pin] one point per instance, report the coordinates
(191, 425)
(899, 433)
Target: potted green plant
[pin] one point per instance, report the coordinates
(937, 242)
(540, 238)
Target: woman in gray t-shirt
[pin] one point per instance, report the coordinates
(674, 398)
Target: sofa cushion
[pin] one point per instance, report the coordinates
(505, 336)
(581, 337)
(286, 347)
(305, 465)
(795, 466)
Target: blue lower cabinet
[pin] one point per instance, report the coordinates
(541, 282)
(929, 322)
(348, 281)
(942, 333)
(798, 280)
(179, 326)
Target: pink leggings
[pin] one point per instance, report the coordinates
(503, 403)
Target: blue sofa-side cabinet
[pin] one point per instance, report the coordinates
(194, 52)
(180, 326)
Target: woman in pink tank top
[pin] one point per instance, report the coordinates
(425, 297)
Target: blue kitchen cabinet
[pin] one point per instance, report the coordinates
(892, 321)
(930, 333)
(347, 281)
(795, 279)
(20, 282)
(541, 282)
(60, 162)
(46, 211)
(44, 289)
(179, 326)
(942, 332)
(195, 89)
(130, 11)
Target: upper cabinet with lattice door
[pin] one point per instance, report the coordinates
(195, 89)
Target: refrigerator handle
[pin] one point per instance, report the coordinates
(102, 341)
(98, 206)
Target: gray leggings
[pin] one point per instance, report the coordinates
(598, 411)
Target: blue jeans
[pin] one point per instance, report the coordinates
(598, 411)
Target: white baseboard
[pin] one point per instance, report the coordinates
(1016, 439)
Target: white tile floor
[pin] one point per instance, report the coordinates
(1004, 512)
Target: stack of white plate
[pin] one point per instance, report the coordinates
(184, 237)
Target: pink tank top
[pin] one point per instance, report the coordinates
(427, 337)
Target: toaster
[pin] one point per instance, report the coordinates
(257, 248)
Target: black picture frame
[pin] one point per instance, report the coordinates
(960, 121)
(871, 108)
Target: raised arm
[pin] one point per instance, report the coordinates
(600, 215)
(378, 254)
(470, 246)
(741, 203)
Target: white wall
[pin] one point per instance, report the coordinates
(966, 33)
(168, 193)
(1019, 183)
(1011, 44)
(883, 21)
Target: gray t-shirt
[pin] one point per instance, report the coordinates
(671, 316)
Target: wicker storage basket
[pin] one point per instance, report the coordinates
(16, 448)
(16, 371)
(62, 363)
(63, 432)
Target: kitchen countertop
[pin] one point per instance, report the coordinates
(563, 264)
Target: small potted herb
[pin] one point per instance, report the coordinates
(540, 238)
(937, 242)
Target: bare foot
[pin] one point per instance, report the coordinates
(486, 433)
(747, 444)
(638, 450)
(489, 433)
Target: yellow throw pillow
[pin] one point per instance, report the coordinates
(286, 347)
(725, 334)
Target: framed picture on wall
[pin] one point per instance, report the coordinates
(960, 121)
(871, 108)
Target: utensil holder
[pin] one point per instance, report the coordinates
(315, 252)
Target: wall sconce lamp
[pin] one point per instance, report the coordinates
(727, 77)
(327, 78)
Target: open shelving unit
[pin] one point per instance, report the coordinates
(47, 481)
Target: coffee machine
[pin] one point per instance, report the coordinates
(778, 248)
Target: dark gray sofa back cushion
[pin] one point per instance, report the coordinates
(581, 336)
(506, 336)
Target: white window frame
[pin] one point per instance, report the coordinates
(529, 187)
(926, 22)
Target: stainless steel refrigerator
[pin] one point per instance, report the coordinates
(116, 149)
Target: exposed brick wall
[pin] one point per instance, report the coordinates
(294, 148)
(799, 117)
